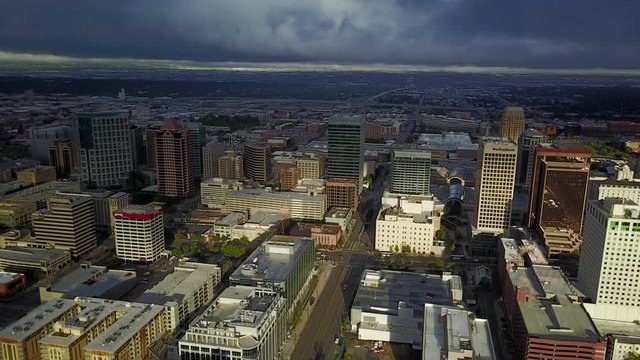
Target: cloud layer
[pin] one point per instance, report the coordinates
(540, 33)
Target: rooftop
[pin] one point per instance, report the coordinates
(183, 281)
(91, 281)
(236, 305)
(231, 219)
(273, 261)
(36, 319)
(279, 195)
(140, 209)
(7, 277)
(553, 307)
(266, 218)
(338, 212)
(460, 334)
(31, 255)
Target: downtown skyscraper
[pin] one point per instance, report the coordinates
(411, 172)
(346, 148)
(175, 161)
(512, 124)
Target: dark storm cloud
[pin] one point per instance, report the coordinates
(536, 33)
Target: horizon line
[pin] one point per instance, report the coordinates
(305, 66)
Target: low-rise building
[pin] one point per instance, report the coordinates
(84, 328)
(259, 223)
(36, 175)
(90, 281)
(19, 253)
(455, 334)
(16, 213)
(340, 216)
(223, 226)
(213, 192)
(283, 264)
(327, 236)
(189, 287)
(389, 305)
(242, 323)
(293, 205)
(11, 283)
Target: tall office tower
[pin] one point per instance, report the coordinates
(342, 193)
(609, 268)
(410, 172)
(68, 222)
(175, 161)
(512, 124)
(257, 162)
(138, 150)
(527, 144)
(150, 146)
(63, 156)
(197, 138)
(346, 148)
(40, 138)
(139, 233)
(210, 154)
(495, 183)
(231, 165)
(105, 148)
(559, 187)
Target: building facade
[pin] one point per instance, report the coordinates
(512, 124)
(105, 149)
(36, 175)
(197, 138)
(411, 172)
(292, 205)
(63, 156)
(257, 162)
(41, 137)
(139, 233)
(527, 144)
(495, 181)
(68, 223)
(175, 160)
(342, 193)
(231, 165)
(210, 154)
(345, 158)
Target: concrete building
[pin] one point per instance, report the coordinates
(454, 145)
(407, 223)
(63, 155)
(346, 148)
(342, 217)
(259, 223)
(288, 174)
(150, 145)
(11, 283)
(559, 187)
(455, 334)
(41, 137)
(512, 124)
(628, 190)
(16, 213)
(90, 281)
(546, 316)
(25, 255)
(411, 172)
(282, 264)
(36, 175)
(38, 194)
(175, 160)
(242, 323)
(105, 149)
(222, 227)
(293, 205)
(389, 305)
(84, 328)
(213, 192)
(527, 144)
(68, 223)
(257, 162)
(139, 233)
(327, 236)
(116, 202)
(210, 154)
(231, 165)
(311, 166)
(495, 180)
(197, 138)
(342, 193)
(189, 287)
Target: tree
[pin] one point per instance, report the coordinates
(452, 247)
(180, 236)
(196, 237)
(632, 355)
(441, 235)
(406, 248)
(413, 250)
(396, 248)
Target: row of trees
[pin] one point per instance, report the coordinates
(233, 249)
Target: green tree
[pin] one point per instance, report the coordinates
(632, 355)
(441, 235)
(452, 247)
(180, 236)
(196, 237)
(413, 250)
(396, 248)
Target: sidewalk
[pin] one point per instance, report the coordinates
(290, 344)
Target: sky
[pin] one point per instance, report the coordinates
(512, 33)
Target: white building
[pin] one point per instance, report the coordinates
(495, 183)
(629, 190)
(189, 287)
(455, 333)
(407, 221)
(139, 233)
(389, 305)
(242, 323)
(213, 192)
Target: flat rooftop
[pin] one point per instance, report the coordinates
(554, 309)
(183, 281)
(460, 333)
(92, 281)
(283, 195)
(266, 218)
(231, 219)
(36, 319)
(337, 212)
(273, 261)
(7, 277)
(31, 255)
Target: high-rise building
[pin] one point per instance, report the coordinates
(150, 146)
(40, 139)
(139, 151)
(105, 148)
(512, 124)
(342, 193)
(197, 138)
(527, 144)
(63, 156)
(68, 223)
(288, 174)
(231, 165)
(559, 187)
(210, 154)
(175, 162)
(346, 148)
(495, 183)
(257, 162)
(411, 172)
(139, 233)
